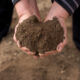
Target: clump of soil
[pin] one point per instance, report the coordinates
(40, 37)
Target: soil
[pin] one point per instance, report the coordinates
(40, 37)
(17, 65)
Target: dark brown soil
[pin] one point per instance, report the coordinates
(38, 36)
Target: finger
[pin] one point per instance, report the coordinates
(51, 52)
(48, 19)
(64, 42)
(14, 38)
(60, 47)
(24, 17)
(18, 44)
(27, 51)
(16, 27)
(45, 20)
(48, 53)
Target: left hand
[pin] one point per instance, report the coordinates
(61, 14)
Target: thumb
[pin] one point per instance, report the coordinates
(22, 18)
(48, 18)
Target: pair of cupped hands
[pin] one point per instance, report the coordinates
(28, 8)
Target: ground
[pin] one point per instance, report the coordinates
(17, 65)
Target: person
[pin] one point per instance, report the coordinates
(60, 9)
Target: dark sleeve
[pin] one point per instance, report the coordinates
(69, 5)
(15, 1)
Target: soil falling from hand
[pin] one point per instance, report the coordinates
(40, 37)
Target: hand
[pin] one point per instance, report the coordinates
(59, 12)
(25, 9)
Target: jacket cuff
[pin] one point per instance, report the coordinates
(69, 5)
(15, 1)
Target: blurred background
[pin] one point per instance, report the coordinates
(17, 65)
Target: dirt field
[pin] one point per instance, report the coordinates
(17, 65)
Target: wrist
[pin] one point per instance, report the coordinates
(22, 9)
(60, 11)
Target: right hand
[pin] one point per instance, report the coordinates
(25, 9)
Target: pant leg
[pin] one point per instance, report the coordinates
(76, 27)
(6, 9)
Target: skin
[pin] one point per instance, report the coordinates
(27, 8)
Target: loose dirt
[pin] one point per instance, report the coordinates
(40, 37)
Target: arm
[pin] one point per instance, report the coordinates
(69, 5)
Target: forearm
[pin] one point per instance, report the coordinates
(69, 5)
(26, 8)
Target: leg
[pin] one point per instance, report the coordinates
(76, 28)
(6, 8)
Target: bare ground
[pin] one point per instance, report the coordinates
(17, 65)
